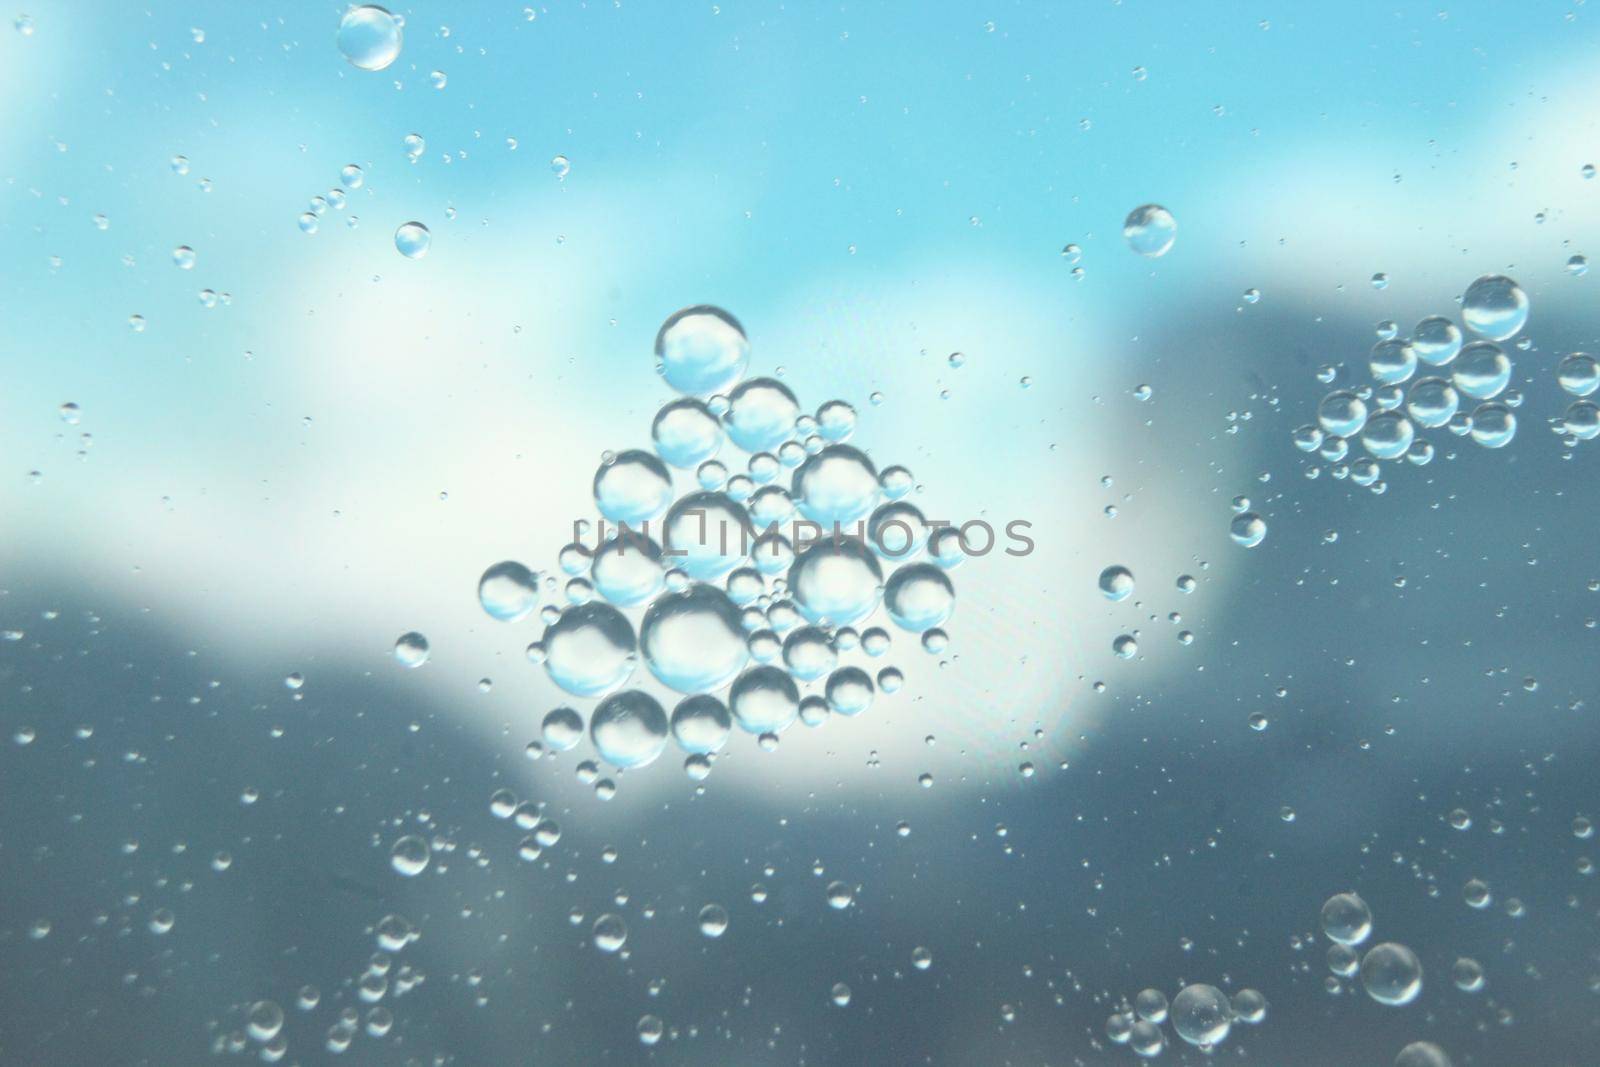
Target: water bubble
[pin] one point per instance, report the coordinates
(562, 729)
(1343, 961)
(308, 223)
(1391, 974)
(836, 421)
(184, 257)
(693, 641)
(610, 932)
(837, 582)
(1342, 413)
(1346, 919)
(1150, 230)
(701, 350)
(1577, 265)
(1493, 425)
(1247, 529)
(411, 650)
(414, 146)
(1249, 1006)
(1481, 371)
(918, 597)
(1202, 1014)
(1422, 1054)
(1146, 1039)
(410, 855)
(438, 79)
(627, 569)
(1467, 974)
(370, 37)
(849, 691)
(685, 433)
(1392, 361)
(632, 486)
(837, 485)
(897, 531)
(840, 896)
(808, 653)
(1495, 307)
(1380, 281)
(700, 724)
(590, 649)
(560, 166)
(508, 591)
(1432, 402)
(707, 533)
(1579, 374)
(713, 920)
(629, 729)
(840, 995)
(764, 700)
(1387, 435)
(1436, 340)
(1582, 420)
(412, 240)
(1126, 646)
(761, 414)
(1116, 583)
(1476, 894)
(264, 1020)
(1151, 1004)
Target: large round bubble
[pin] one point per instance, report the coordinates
(1436, 340)
(808, 652)
(701, 350)
(700, 724)
(1495, 307)
(632, 486)
(508, 591)
(849, 690)
(764, 700)
(694, 641)
(1432, 402)
(707, 535)
(1150, 230)
(370, 37)
(1391, 974)
(919, 597)
(1393, 361)
(590, 649)
(1346, 919)
(1202, 1014)
(1387, 435)
(761, 414)
(836, 581)
(629, 729)
(627, 569)
(686, 434)
(1481, 371)
(837, 485)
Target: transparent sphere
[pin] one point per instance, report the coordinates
(1151, 1004)
(764, 700)
(919, 597)
(412, 240)
(370, 37)
(1422, 1054)
(685, 433)
(1150, 230)
(1579, 374)
(849, 691)
(808, 653)
(632, 486)
(610, 932)
(1436, 340)
(1346, 919)
(1495, 307)
(837, 485)
(590, 649)
(1116, 583)
(1481, 371)
(1387, 435)
(1391, 974)
(700, 724)
(694, 641)
(1393, 361)
(627, 569)
(713, 920)
(628, 729)
(1342, 413)
(562, 729)
(706, 534)
(836, 582)
(1202, 1014)
(1432, 402)
(701, 350)
(508, 591)
(761, 414)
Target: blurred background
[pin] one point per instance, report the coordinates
(306, 444)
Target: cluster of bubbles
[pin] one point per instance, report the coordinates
(1390, 972)
(351, 178)
(1201, 1015)
(1386, 416)
(264, 1029)
(726, 609)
